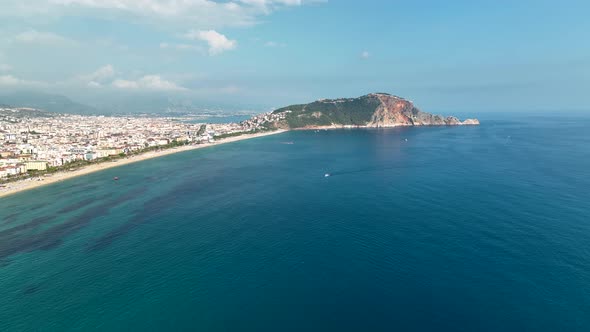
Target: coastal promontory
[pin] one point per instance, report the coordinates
(372, 110)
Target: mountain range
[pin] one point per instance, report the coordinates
(113, 103)
(44, 101)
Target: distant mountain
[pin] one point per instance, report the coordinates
(144, 103)
(120, 103)
(8, 113)
(47, 102)
(372, 110)
(109, 103)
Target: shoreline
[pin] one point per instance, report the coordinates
(19, 186)
(331, 127)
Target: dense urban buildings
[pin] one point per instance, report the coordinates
(32, 140)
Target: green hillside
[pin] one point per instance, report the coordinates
(354, 111)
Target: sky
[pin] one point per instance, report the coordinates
(454, 55)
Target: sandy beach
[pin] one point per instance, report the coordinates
(15, 187)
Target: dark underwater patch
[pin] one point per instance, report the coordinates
(38, 206)
(107, 239)
(53, 237)
(26, 226)
(82, 190)
(150, 209)
(76, 206)
(9, 219)
(31, 289)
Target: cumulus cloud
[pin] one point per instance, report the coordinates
(4, 67)
(12, 81)
(95, 79)
(205, 17)
(125, 84)
(102, 73)
(101, 78)
(218, 43)
(148, 82)
(9, 80)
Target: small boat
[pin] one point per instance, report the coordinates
(326, 175)
(116, 178)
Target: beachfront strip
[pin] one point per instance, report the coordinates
(35, 141)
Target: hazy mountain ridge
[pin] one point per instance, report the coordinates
(44, 101)
(115, 104)
(8, 113)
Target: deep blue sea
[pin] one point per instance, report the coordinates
(417, 229)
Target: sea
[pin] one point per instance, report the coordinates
(472, 228)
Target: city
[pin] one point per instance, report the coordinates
(32, 141)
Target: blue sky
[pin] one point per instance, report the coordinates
(444, 55)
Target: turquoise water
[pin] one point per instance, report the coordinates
(458, 228)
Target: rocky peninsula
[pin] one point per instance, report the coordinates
(374, 110)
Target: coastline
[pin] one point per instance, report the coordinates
(19, 186)
(330, 127)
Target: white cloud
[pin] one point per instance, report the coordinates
(157, 83)
(125, 84)
(11, 81)
(148, 82)
(95, 79)
(4, 67)
(365, 55)
(100, 78)
(40, 37)
(217, 42)
(193, 13)
(102, 73)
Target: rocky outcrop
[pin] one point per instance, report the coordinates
(372, 110)
(470, 122)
